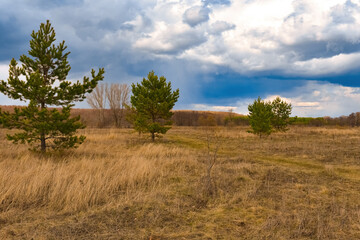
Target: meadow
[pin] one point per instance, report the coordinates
(303, 184)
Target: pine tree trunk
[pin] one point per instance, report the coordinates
(42, 134)
(153, 133)
(153, 137)
(43, 143)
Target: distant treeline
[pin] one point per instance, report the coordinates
(207, 118)
(353, 120)
(201, 118)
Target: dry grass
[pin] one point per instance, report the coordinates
(300, 185)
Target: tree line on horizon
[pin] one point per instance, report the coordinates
(194, 118)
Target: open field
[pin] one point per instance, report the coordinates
(304, 184)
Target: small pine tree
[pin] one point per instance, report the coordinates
(281, 114)
(260, 117)
(45, 85)
(152, 101)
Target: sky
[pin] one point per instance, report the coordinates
(221, 54)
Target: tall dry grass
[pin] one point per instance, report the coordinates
(303, 184)
(97, 173)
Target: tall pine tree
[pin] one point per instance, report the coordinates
(45, 85)
(152, 101)
(281, 114)
(260, 117)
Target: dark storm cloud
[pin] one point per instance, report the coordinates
(94, 22)
(82, 27)
(310, 49)
(12, 40)
(224, 88)
(46, 4)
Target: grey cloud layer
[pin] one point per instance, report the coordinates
(190, 29)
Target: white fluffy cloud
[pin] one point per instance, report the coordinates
(324, 99)
(170, 39)
(4, 100)
(205, 107)
(323, 66)
(317, 99)
(4, 71)
(301, 37)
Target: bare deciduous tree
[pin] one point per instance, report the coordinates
(207, 187)
(97, 100)
(118, 97)
(213, 145)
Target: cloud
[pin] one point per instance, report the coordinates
(170, 39)
(11, 40)
(325, 66)
(220, 26)
(206, 107)
(307, 104)
(44, 4)
(266, 36)
(4, 71)
(343, 13)
(196, 15)
(216, 2)
(318, 99)
(4, 74)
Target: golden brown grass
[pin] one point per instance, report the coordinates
(303, 184)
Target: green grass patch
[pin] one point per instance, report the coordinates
(293, 162)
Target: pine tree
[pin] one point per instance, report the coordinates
(281, 114)
(45, 85)
(260, 117)
(152, 101)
